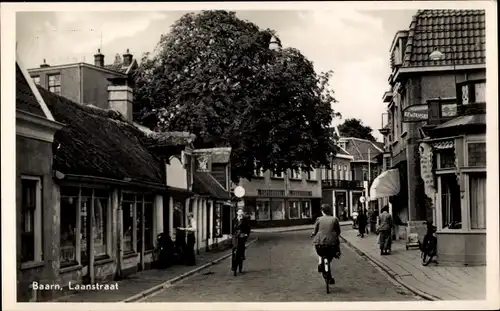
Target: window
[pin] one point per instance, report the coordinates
(278, 209)
(447, 158)
(334, 172)
(250, 207)
(293, 209)
(55, 83)
(480, 92)
(259, 172)
(277, 174)
(324, 173)
(477, 200)
(312, 175)
(295, 174)
(306, 210)
(69, 217)
(100, 222)
(31, 219)
(36, 80)
(476, 154)
(450, 202)
(148, 223)
(128, 210)
(262, 210)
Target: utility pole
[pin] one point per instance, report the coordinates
(369, 178)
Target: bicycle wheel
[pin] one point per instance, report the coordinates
(426, 258)
(326, 274)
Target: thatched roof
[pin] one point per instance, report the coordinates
(99, 143)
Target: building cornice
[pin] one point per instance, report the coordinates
(33, 126)
(66, 66)
(415, 70)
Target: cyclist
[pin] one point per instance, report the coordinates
(241, 231)
(326, 237)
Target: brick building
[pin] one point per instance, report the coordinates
(437, 95)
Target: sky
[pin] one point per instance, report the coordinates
(354, 44)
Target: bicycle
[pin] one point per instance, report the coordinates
(237, 257)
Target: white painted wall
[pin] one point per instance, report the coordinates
(176, 174)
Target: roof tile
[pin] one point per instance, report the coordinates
(459, 34)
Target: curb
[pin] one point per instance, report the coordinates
(166, 284)
(393, 276)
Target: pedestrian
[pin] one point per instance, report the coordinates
(369, 217)
(241, 231)
(362, 220)
(191, 240)
(326, 237)
(385, 230)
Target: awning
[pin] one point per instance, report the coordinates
(205, 184)
(385, 185)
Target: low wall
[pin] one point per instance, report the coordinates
(461, 248)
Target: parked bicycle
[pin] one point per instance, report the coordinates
(429, 246)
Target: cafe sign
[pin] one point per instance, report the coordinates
(416, 113)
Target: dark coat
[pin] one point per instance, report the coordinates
(326, 231)
(362, 220)
(241, 227)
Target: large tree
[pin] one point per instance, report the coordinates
(355, 128)
(214, 75)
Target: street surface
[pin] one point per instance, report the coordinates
(282, 267)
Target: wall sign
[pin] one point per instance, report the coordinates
(416, 113)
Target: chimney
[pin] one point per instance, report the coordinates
(44, 65)
(120, 98)
(127, 59)
(99, 59)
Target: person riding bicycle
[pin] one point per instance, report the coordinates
(326, 237)
(241, 231)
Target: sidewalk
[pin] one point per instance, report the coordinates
(293, 228)
(146, 282)
(433, 282)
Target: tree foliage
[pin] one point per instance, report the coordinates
(355, 128)
(214, 75)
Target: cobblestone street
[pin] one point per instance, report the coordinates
(282, 267)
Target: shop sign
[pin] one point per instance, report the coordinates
(426, 169)
(218, 220)
(416, 113)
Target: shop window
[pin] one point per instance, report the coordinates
(447, 158)
(450, 202)
(128, 210)
(31, 219)
(250, 209)
(305, 210)
(148, 223)
(262, 210)
(293, 209)
(69, 217)
(476, 154)
(278, 209)
(100, 222)
(477, 200)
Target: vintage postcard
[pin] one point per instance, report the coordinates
(250, 155)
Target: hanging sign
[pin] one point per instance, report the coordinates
(426, 161)
(416, 113)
